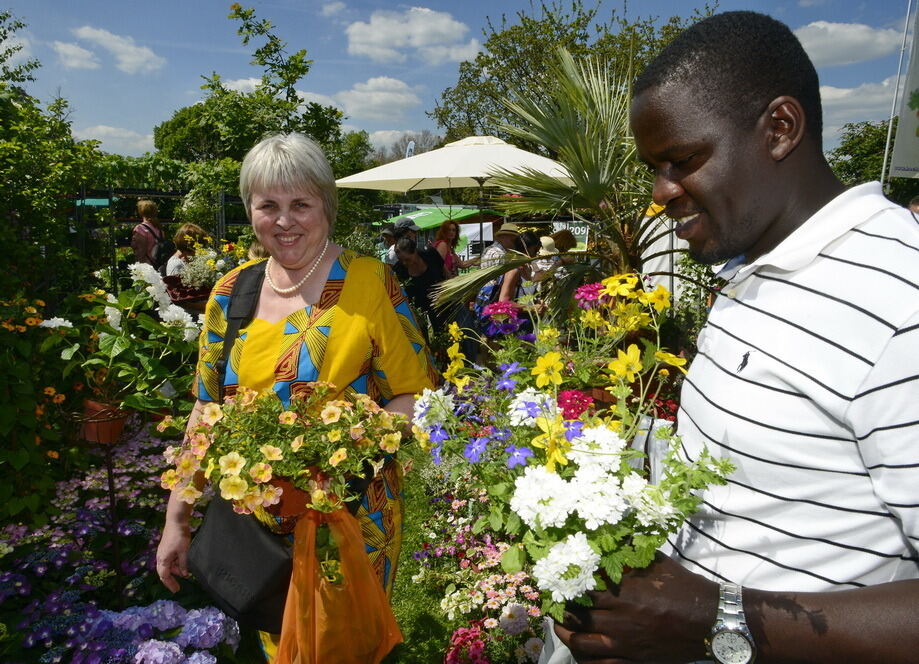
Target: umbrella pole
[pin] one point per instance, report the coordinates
(481, 182)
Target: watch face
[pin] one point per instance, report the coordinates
(731, 648)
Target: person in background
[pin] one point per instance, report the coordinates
(147, 235)
(505, 238)
(517, 283)
(806, 379)
(324, 313)
(445, 242)
(419, 277)
(387, 239)
(185, 240)
(564, 240)
(547, 259)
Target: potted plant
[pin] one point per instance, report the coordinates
(134, 350)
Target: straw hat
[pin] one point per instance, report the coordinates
(509, 228)
(548, 246)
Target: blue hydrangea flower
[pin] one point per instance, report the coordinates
(159, 652)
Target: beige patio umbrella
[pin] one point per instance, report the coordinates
(469, 162)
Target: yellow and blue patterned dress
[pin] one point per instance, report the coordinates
(360, 336)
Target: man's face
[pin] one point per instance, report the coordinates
(711, 176)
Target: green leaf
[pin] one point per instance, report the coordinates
(18, 459)
(512, 526)
(67, 353)
(479, 525)
(495, 519)
(512, 560)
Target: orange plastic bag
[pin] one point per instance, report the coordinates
(326, 623)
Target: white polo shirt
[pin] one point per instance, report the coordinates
(807, 378)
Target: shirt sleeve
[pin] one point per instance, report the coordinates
(210, 342)
(885, 418)
(401, 362)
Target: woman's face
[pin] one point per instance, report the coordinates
(290, 224)
(452, 231)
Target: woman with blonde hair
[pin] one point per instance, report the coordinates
(323, 313)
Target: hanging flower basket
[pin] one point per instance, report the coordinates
(101, 422)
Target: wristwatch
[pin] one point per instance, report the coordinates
(731, 641)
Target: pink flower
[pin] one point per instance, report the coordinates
(573, 403)
(588, 295)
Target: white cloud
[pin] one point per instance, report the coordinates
(130, 57)
(74, 56)
(242, 84)
(867, 102)
(117, 140)
(378, 98)
(332, 8)
(810, 3)
(382, 140)
(434, 36)
(24, 52)
(321, 99)
(844, 43)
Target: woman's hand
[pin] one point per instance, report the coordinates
(172, 554)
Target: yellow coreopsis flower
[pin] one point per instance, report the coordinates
(626, 364)
(453, 352)
(592, 319)
(671, 359)
(620, 285)
(461, 382)
(553, 440)
(233, 488)
(453, 329)
(548, 369)
(424, 440)
(211, 413)
(659, 298)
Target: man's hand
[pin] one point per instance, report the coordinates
(659, 614)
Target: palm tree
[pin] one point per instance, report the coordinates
(583, 120)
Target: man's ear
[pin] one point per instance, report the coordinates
(786, 125)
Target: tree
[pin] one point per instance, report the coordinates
(425, 140)
(860, 154)
(13, 75)
(518, 57)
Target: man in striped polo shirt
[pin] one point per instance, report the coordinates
(807, 377)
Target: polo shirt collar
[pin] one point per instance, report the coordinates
(840, 215)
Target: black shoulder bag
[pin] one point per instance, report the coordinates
(243, 566)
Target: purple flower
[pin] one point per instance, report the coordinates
(166, 614)
(573, 429)
(528, 336)
(475, 449)
(204, 628)
(507, 384)
(201, 658)
(438, 435)
(517, 456)
(501, 434)
(510, 369)
(436, 451)
(159, 652)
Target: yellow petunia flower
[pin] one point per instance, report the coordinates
(211, 414)
(338, 456)
(390, 442)
(188, 494)
(330, 414)
(271, 453)
(333, 436)
(296, 443)
(260, 472)
(548, 369)
(231, 464)
(626, 364)
(287, 417)
(233, 488)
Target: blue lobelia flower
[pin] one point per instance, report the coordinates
(435, 454)
(517, 456)
(510, 369)
(573, 429)
(438, 434)
(475, 449)
(507, 384)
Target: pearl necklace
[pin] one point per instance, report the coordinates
(296, 286)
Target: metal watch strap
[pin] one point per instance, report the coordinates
(730, 607)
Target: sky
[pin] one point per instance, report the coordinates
(127, 65)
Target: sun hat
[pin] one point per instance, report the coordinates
(509, 228)
(548, 246)
(405, 224)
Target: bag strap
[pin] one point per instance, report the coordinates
(158, 236)
(243, 302)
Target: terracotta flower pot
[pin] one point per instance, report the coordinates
(102, 422)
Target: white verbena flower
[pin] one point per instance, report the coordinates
(530, 404)
(598, 445)
(541, 498)
(56, 322)
(432, 407)
(598, 497)
(567, 571)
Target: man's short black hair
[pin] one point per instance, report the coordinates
(738, 62)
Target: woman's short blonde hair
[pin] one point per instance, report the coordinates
(293, 162)
(147, 209)
(187, 236)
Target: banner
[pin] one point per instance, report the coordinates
(905, 160)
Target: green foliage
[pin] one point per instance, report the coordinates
(518, 57)
(859, 157)
(20, 73)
